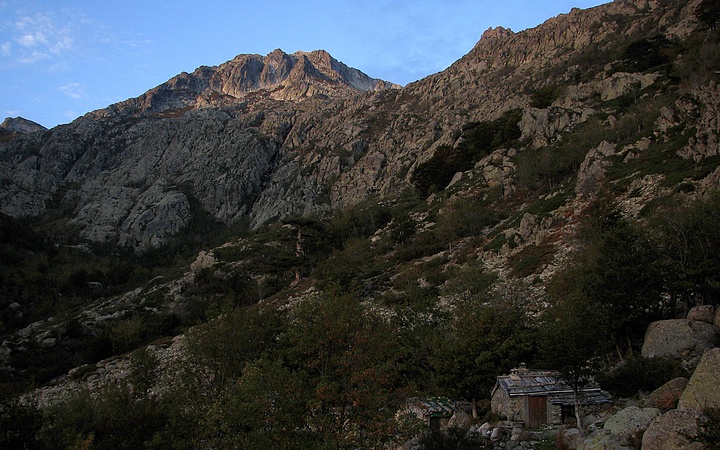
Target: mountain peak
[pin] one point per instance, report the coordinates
(278, 75)
(20, 125)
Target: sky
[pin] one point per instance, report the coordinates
(60, 59)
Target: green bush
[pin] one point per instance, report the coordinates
(467, 217)
(709, 433)
(647, 53)
(546, 206)
(478, 140)
(499, 240)
(20, 425)
(640, 374)
(422, 244)
(708, 12)
(545, 96)
(530, 259)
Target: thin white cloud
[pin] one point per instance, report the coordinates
(32, 39)
(6, 48)
(73, 90)
(38, 38)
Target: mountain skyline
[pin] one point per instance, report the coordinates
(58, 62)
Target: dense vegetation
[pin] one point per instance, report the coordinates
(477, 140)
(330, 371)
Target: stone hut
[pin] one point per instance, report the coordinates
(435, 412)
(541, 397)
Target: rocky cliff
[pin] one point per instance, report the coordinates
(262, 138)
(215, 135)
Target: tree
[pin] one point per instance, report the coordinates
(265, 408)
(568, 340)
(109, 419)
(349, 356)
(20, 426)
(466, 217)
(616, 269)
(485, 338)
(686, 236)
(223, 347)
(708, 12)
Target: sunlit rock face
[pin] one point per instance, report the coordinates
(261, 138)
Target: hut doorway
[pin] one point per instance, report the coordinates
(537, 411)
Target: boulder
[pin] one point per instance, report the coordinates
(629, 423)
(716, 320)
(620, 83)
(702, 389)
(682, 339)
(592, 169)
(572, 438)
(673, 430)
(517, 434)
(204, 259)
(702, 313)
(603, 440)
(486, 429)
(460, 420)
(666, 396)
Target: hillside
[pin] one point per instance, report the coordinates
(299, 230)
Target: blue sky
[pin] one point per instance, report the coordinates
(61, 59)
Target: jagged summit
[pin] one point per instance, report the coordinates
(20, 125)
(279, 75)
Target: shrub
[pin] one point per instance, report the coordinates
(640, 374)
(708, 12)
(499, 240)
(531, 258)
(467, 218)
(544, 169)
(647, 53)
(478, 140)
(126, 335)
(422, 244)
(545, 96)
(709, 433)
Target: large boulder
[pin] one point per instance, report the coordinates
(666, 397)
(673, 430)
(592, 169)
(460, 420)
(620, 83)
(681, 339)
(629, 423)
(703, 389)
(603, 440)
(702, 313)
(572, 438)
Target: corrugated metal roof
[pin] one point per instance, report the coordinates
(435, 406)
(532, 383)
(549, 383)
(586, 397)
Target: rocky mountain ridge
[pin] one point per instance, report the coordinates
(20, 125)
(309, 143)
(286, 77)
